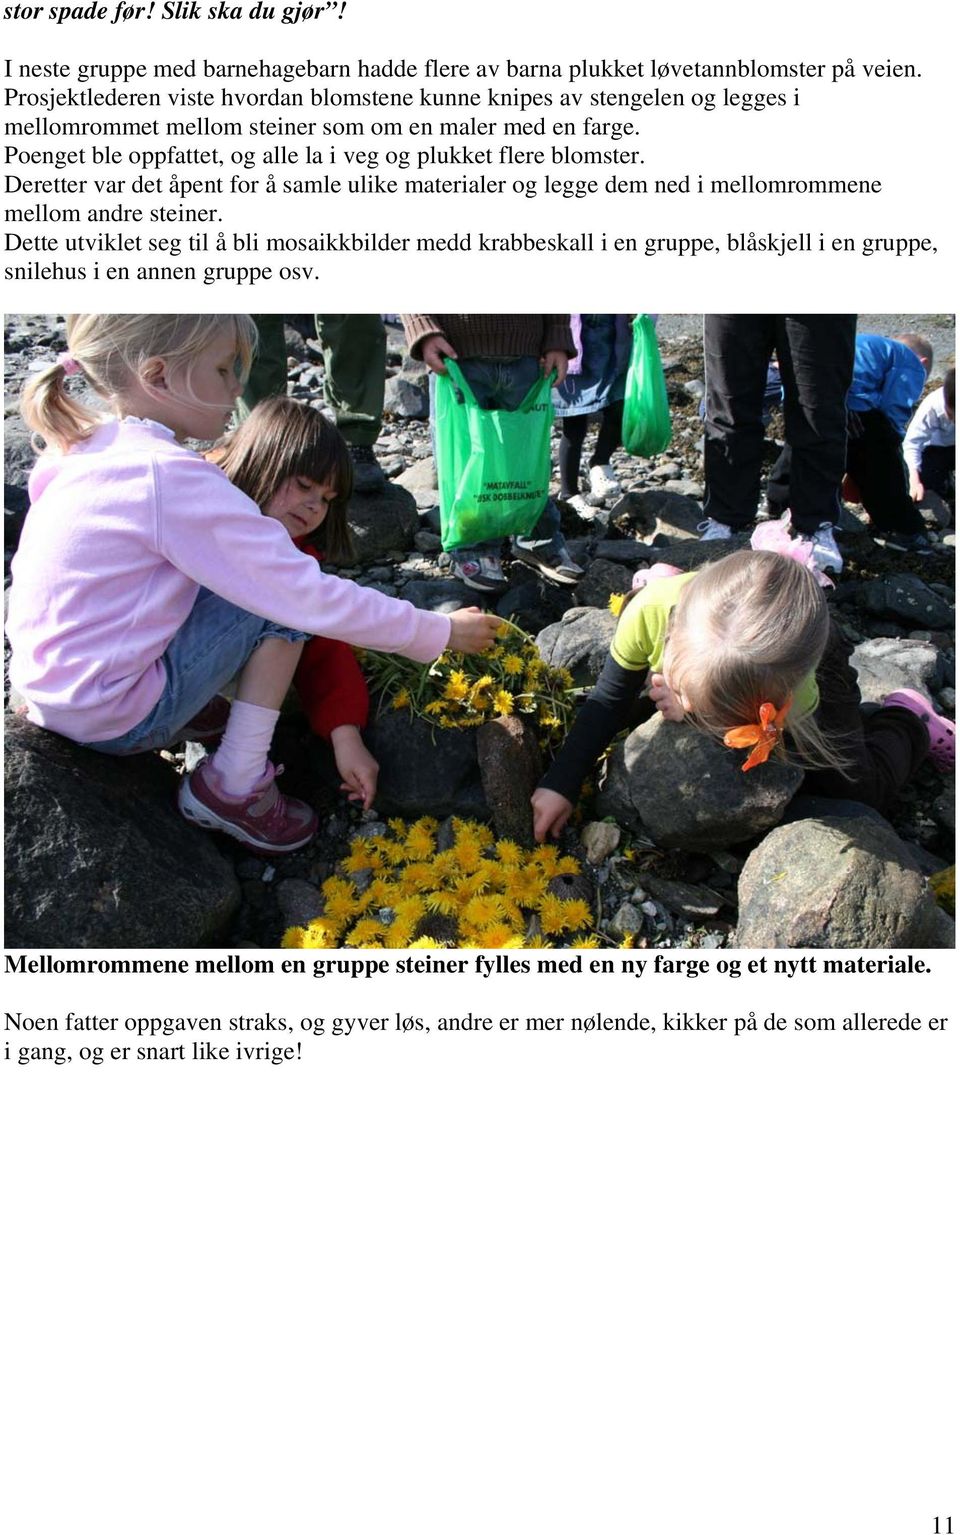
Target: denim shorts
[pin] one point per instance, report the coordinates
(213, 645)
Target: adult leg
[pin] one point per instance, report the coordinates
(355, 364)
(573, 431)
(875, 461)
(736, 351)
(816, 365)
(268, 376)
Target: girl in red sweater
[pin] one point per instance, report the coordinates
(289, 459)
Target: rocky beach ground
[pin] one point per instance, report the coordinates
(96, 856)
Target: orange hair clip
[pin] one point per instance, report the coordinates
(763, 737)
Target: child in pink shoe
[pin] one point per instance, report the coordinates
(144, 580)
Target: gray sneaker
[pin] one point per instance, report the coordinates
(710, 530)
(550, 557)
(479, 569)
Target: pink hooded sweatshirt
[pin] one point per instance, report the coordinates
(122, 532)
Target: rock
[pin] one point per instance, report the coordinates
(675, 516)
(299, 901)
(627, 920)
(600, 579)
(884, 665)
(382, 522)
(406, 397)
(422, 475)
(935, 511)
(945, 809)
(19, 458)
(102, 857)
(426, 542)
(695, 901)
(688, 791)
(439, 596)
(599, 839)
(580, 642)
(424, 770)
(532, 604)
(510, 769)
(836, 882)
(905, 597)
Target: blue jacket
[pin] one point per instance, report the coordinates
(888, 377)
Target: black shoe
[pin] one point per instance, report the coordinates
(368, 477)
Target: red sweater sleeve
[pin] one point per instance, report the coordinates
(331, 686)
(328, 680)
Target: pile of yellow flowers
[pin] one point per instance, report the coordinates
(477, 893)
(460, 691)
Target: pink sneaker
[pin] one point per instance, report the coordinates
(266, 821)
(942, 732)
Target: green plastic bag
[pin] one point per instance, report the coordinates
(493, 466)
(646, 412)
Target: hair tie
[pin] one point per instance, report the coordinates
(763, 736)
(68, 364)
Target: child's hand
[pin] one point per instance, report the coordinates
(357, 769)
(472, 630)
(666, 699)
(551, 812)
(557, 362)
(434, 350)
(916, 486)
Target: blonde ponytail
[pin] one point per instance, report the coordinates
(111, 351)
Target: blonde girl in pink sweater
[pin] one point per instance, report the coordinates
(144, 580)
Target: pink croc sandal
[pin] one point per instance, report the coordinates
(941, 731)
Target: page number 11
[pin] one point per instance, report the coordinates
(943, 1524)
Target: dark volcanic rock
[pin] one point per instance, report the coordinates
(424, 771)
(580, 642)
(382, 522)
(98, 856)
(689, 791)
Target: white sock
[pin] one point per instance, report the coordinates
(240, 760)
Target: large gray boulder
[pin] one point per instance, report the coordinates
(837, 881)
(687, 790)
(580, 642)
(407, 397)
(382, 523)
(98, 856)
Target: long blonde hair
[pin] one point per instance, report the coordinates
(111, 351)
(748, 630)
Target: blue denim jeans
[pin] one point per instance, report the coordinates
(503, 383)
(213, 645)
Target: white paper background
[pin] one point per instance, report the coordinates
(501, 1282)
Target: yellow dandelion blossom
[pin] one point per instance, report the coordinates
(546, 858)
(457, 688)
(576, 914)
(513, 665)
(320, 934)
(586, 941)
(481, 910)
(615, 603)
(509, 852)
(568, 865)
(426, 943)
(398, 935)
(502, 702)
(552, 913)
(525, 886)
(361, 856)
(629, 942)
(400, 699)
(365, 934)
(441, 903)
(420, 840)
(496, 935)
(292, 938)
(417, 876)
(434, 707)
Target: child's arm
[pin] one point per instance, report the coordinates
(602, 716)
(333, 692)
(919, 434)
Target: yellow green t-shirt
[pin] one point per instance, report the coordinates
(642, 632)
